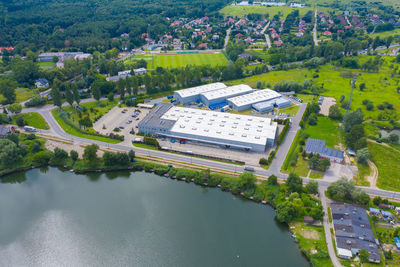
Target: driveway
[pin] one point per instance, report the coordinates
(337, 171)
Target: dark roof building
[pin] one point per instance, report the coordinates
(317, 146)
(4, 131)
(353, 231)
(246, 56)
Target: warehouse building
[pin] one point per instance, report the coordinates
(186, 96)
(226, 130)
(244, 102)
(217, 98)
(269, 105)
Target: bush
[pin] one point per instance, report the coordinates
(284, 131)
(42, 158)
(151, 141)
(36, 101)
(74, 155)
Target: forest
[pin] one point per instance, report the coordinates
(88, 25)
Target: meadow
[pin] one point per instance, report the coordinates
(241, 11)
(336, 81)
(180, 60)
(387, 160)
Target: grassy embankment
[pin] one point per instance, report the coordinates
(33, 119)
(93, 110)
(311, 240)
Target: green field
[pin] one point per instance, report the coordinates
(180, 60)
(380, 86)
(387, 160)
(326, 129)
(383, 35)
(241, 11)
(23, 94)
(47, 65)
(34, 119)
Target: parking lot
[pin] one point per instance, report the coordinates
(121, 118)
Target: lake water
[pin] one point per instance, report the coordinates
(54, 218)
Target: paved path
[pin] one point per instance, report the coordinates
(267, 39)
(315, 28)
(283, 149)
(327, 228)
(228, 34)
(373, 177)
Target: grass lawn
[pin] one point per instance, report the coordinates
(47, 65)
(292, 110)
(387, 160)
(93, 109)
(380, 87)
(386, 34)
(244, 112)
(181, 60)
(144, 146)
(316, 175)
(241, 11)
(34, 119)
(307, 98)
(302, 168)
(326, 129)
(23, 94)
(363, 171)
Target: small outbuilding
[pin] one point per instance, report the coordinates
(308, 219)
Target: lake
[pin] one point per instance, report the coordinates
(54, 218)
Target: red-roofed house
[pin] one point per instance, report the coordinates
(327, 33)
(238, 35)
(203, 45)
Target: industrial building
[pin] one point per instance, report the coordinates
(317, 146)
(244, 102)
(186, 96)
(353, 232)
(224, 129)
(269, 105)
(217, 98)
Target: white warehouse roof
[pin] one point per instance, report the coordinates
(200, 89)
(255, 97)
(223, 126)
(227, 92)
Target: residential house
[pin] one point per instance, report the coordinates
(42, 83)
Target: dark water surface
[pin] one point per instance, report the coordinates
(56, 218)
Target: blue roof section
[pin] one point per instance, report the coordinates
(217, 105)
(317, 146)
